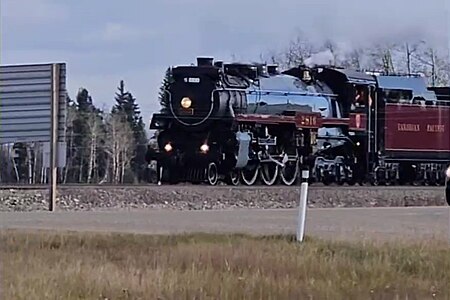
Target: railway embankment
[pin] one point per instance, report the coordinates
(206, 198)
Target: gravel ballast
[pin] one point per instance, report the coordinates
(202, 198)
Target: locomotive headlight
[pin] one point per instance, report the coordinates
(186, 102)
(204, 148)
(168, 147)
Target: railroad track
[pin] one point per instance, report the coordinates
(200, 187)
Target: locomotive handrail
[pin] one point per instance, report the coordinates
(295, 93)
(259, 91)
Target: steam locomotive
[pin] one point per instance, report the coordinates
(243, 122)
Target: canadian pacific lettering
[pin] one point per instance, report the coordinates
(436, 128)
(416, 127)
(408, 127)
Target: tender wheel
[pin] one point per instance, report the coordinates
(269, 173)
(212, 174)
(289, 173)
(249, 176)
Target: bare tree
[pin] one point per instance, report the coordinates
(94, 131)
(354, 59)
(119, 145)
(381, 57)
(297, 51)
(410, 49)
(435, 65)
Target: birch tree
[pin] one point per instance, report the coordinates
(119, 145)
(436, 66)
(70, 119)
(297, 51)
(93, 126)
(409, 51)
(381, 57)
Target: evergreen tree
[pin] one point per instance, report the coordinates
(87, 134)
(84, 101)
(163, 96)
(79, 142)
(126, 104)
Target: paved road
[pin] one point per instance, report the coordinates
(373, 223)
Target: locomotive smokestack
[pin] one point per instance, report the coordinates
(204, 61)
(273, 69)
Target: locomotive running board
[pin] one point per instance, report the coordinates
(300, 120)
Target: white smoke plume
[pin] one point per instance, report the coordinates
(320, 58)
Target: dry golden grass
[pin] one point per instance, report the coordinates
(119, 266)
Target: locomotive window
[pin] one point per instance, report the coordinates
(362, 98)
(443, 103)
(397, 96)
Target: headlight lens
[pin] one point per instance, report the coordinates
(186, 102)
(204, 148)
(168, 147)
(447, 172)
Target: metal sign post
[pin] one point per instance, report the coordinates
(302, 206)
(54, 138)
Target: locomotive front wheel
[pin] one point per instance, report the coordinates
(269, 173)
(212, 173)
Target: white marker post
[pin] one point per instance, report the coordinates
(447, 197)
(302, 206)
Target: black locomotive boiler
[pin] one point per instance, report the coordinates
(240, 123)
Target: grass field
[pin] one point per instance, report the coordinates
(44, 265)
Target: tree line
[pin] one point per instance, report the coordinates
(400, 57)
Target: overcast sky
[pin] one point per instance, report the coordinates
(104, 41)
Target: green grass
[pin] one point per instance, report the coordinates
(44, 265)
